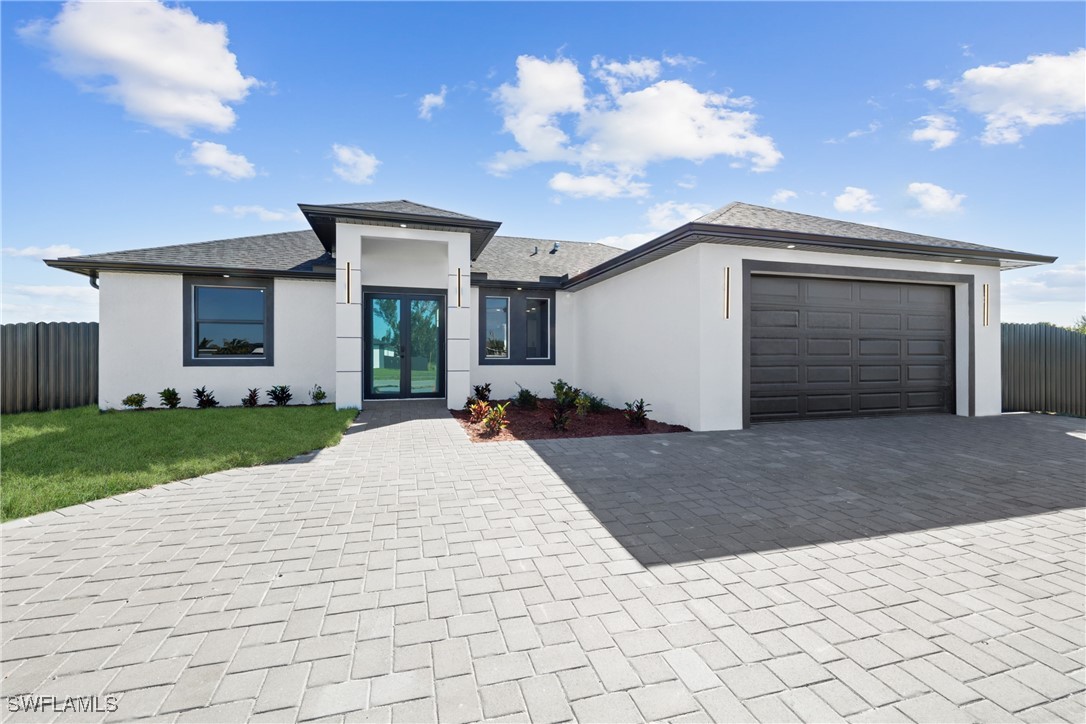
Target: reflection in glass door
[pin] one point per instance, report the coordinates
(405, 351)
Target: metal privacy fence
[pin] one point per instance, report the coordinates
(48, 365)
(1044, 369)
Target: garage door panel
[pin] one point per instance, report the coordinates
(834, 348)
(829, 347)
(774, 375)
(827, 292)
(771, 346)
(829, 374)
(880, 347)
(829, 320)
(927, 323)
(872, 402)
(775, 318)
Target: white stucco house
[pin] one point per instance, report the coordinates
(746, 314)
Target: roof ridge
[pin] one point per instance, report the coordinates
(189, 245)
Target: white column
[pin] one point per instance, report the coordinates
(348, 320)
(458, 322)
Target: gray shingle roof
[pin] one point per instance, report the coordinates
(294, 251)
(760, 217)
(515, 258)
(402, 206)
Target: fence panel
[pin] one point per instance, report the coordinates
(1044, 369)
(48, 365)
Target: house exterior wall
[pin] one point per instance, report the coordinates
(638, 335)
(537, 377)
(721, 361)
(384, 256)
(141, 342)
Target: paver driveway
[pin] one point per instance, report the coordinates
(926, 569)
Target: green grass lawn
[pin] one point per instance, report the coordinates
(50, 460)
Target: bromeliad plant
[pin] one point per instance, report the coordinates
(495, 420)
(252, 399)
(280, 395)
(135, 401)
(478, 410)
(637, 412)
(204, 398)
(170, 398)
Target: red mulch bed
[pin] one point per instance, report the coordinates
(536, 425)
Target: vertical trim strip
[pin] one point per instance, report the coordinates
(986, 297)
(348, 290)
(727, 292)
(459, 287)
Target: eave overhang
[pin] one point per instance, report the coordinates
(81, 266)
(700, 233)
(323, 221)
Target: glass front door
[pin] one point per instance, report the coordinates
(405, 350)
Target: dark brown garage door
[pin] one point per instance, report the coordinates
(840, 348)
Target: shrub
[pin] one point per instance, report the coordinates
(280, 395)
(525, 398)
(472, 399)
(560, 418)
(479, 411)
(252, 399)
(482, 392)
(637, 412)
(586, 402)
(565, 395)
(495, 420)
(136, 400)
(204, 398)
(170, 398)
(317, 395)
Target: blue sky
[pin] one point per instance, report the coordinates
(128, 126)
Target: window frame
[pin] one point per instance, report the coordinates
(518, 340)
(508, 328)
(189, 358)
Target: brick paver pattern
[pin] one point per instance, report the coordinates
(910, 569)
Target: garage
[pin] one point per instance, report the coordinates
(825, 348)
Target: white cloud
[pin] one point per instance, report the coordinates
(619, 76)
(553, 117)
(660, 217)
(54, 251)
(165, 66)
(1045, 90)
(431, 102)
(680, 60)
(49, 303)
(857, 133)
(1058, 283)
(353, 164)
(933, 84)
(687, 182)
(855, 199)
(935, 199)
(939, 130)
(217, 160)
(671, 214)
(261, 213)
(782, 196)
(597, 186)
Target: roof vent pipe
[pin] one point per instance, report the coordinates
(534, 251)
(555, 249)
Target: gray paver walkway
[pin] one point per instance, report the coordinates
(923, 569)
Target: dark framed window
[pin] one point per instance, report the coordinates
(496, 330)
(516, 326)
(537, 328)
(228, 322)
